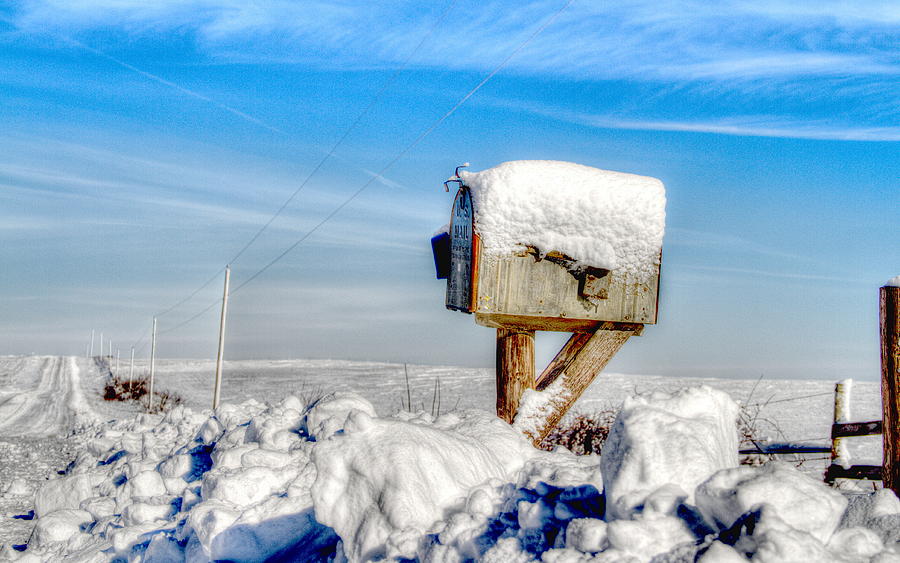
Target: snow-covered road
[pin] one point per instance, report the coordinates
(41, 396)
(43, 399)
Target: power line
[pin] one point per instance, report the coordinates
(349, 130)
(384, 169)
(318, 166)
(193, 318)
(409, 147)
(195, 292)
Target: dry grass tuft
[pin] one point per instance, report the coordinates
(136, 390)
(581, 434)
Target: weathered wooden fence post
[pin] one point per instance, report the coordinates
(841, 414)
(890, 384)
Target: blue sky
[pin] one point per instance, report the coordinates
(143, 144)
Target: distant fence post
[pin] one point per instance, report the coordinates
(841, 414)
(889, 310)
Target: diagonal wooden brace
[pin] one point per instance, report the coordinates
(574, 368)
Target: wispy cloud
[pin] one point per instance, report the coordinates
(177, 87)
(741, 125)
(772, 50)
(784, 275)
(693, 238)
(638, 39)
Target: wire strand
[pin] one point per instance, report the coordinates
(763, 404)
(380, 173)
(409, 147)
(191, 319)
(353, 126)
(359, 119)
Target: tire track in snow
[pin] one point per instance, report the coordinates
(52, 407)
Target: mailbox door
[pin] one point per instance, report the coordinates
(459, 282)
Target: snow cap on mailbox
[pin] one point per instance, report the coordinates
(546, 244)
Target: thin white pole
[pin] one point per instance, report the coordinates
(152, 364)
(101, 345)
(131, 371)
(218, 386)
(109, 355)
(92, 343)
(117, 361)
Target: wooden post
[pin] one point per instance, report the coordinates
(890, 385)
(152, 365)
(841, 414)
(218, 386)
(515, 369)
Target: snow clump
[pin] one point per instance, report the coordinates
(333, 481)
(662, 446)
(599, 218)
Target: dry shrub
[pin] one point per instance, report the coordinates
(581, 434)
(118, 389)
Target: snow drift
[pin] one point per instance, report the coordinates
(332, 481)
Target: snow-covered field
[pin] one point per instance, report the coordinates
(786, 410)
(256, 481)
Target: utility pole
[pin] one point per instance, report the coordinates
(152, 364)
(92, 343)
(131, 375)
(218, 386)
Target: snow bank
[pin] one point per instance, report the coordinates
(893, 282)
(663, 445)
(603, 219)
(806, 505)
(385, 482)
(331, 481)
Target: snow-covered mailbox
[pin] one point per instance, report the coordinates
(546, 245)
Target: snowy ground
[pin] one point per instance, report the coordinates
(785, 410)
(44, 400)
